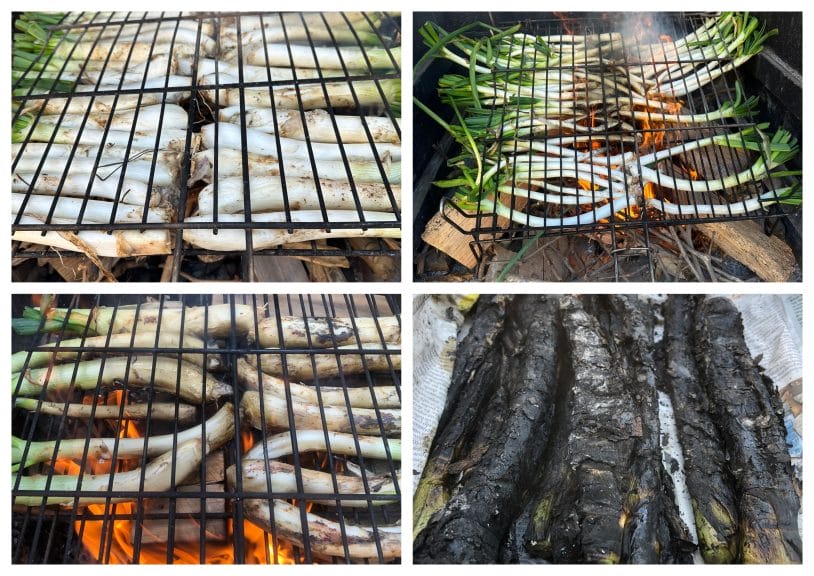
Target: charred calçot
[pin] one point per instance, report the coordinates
(750, 420)
(549, 447)
(492, 434)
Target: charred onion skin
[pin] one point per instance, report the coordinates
(602, 492)
(750, 418)
(709, 477)
(488, 467)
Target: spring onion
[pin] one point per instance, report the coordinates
(180, 378)
(156, 476)
(96, 211)
(324, 332)
(272, 194)
(274, 415)
(95, 243)
(325, 537)
(386, 396)
(230, 164)
(65, 349)
(349, 94)
(44, 129)
(264, 144)
(328, 365)
(314, 440)
(218, 430)
(173, 411)
(233, 239)
(318, 123)
(259, 475)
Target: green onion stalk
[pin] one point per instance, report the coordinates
(247, 373)
(259, 475)
(722, 44)
(262, 143)
(381, 94)
(306, 28)
(325, 537)
(271, 193)
(159, 475)
(270, 411)
(338, 58)
(319, 125)
(318, 440)
(215, 321)
(184, 379)
(212, 72)
(230, 165)
(616, 182)
(72, 348)
(234, 239)
(172, 411)
(25, 454)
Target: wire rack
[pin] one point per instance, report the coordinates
(201, 102)
(642, 44)
(194, 521)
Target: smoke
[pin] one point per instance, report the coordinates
(645, 27)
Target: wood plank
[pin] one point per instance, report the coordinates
(744, 240)
(382, 268)
(328, 261)
(318, 273)
(187, 524)
(279, 269)
(214, 470)
(443, 236)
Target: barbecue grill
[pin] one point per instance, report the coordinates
(630, 242)
(172, 256)
(195, 520)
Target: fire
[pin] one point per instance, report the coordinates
(112, 541)
(653, 133)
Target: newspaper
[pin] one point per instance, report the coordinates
(772, 328)
(436, 321)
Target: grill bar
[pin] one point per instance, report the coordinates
(78, 533)
(194, 93)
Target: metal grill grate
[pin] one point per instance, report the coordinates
(205, 522)
(165, 211)
(632, 45)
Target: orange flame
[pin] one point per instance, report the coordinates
(111, 541)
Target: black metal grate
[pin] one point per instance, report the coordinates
(201, 102)
(193, 521)
(622, 59)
